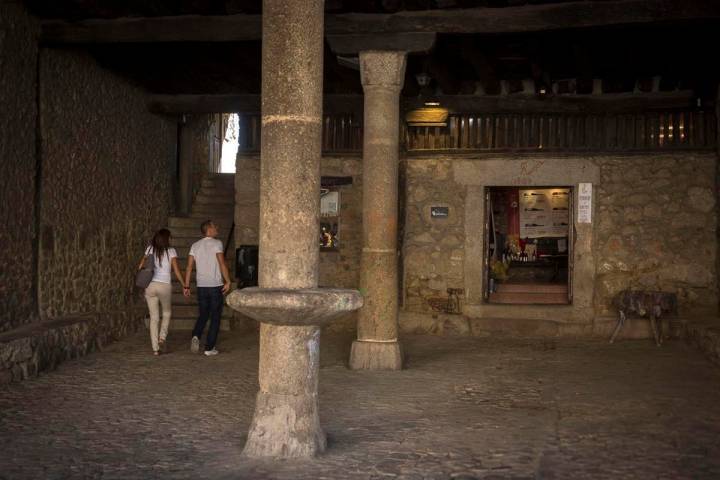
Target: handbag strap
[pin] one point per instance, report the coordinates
(150, 265)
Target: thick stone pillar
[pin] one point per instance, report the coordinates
(286, 419)
(377, 346)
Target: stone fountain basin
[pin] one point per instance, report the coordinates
(288, 307)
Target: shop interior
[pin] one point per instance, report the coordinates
(529, 244)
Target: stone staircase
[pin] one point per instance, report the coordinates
(530, 294)
(216, 201)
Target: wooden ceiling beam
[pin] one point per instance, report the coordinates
(354, 43)
(527, 18)
(610, 103)
(250, 103)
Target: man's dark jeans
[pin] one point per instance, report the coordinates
(210, 300)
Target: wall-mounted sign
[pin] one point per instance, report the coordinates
(439, 212)
(544, 212)
(584, 211)
(329, 203)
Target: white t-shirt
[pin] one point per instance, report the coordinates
(162, 271)
(208, 269)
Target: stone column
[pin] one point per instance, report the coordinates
(286, 419)
(377, 347)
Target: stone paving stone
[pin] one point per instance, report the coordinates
(465, 408)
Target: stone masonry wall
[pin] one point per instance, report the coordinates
(654, 227)
(247, 199)
(433, 249)
(18, 112)
(339, 268)
(105, 188)
(37, 347)
(203, 126)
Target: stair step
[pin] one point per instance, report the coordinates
(223, 221)
(176, 288)
(216, 193)
(191, 311)
(183, 258)
(222, 200)
(213, 210)
(183, 253)
(526, 298)
(194, 233)
(188, 324)
(531, 288)
(185, 240)
(215, 183)
(229, 177)
(178, 299)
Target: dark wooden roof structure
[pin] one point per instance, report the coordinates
(187, 50)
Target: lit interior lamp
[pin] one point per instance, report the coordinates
(430, 115)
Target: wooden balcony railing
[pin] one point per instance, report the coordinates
(650, 131)
(341, 133)
(573, 132)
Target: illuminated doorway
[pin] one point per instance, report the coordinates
(528, 235)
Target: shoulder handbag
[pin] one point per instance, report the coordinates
(145, 275)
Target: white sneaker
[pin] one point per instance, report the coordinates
(212, 352)
(195, 345)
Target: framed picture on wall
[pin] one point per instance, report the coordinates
(329, 216)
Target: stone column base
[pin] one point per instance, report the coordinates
(285, 426)
(375, 355)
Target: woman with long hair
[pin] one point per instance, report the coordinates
(159, 292)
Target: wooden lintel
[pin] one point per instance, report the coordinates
(606, 103)
(354, 43)
(184, 28)
(610, 103)
(189, 104)
(526, 18)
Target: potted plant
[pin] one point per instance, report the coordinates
(498, 272)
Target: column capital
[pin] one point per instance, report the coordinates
(382, 68)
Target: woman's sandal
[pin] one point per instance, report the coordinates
(163, 346)
(156, 353)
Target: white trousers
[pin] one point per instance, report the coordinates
(157, 294)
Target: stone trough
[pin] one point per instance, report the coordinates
(295, 307)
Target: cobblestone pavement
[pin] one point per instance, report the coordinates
(464, 408)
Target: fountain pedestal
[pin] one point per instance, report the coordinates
(286, 421)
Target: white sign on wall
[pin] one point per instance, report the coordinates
(329, 204)
(544, 212)
(584, 211)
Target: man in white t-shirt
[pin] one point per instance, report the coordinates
(209, 257)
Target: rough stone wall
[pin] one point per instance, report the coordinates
(105, 188)
(433, 248)
(339, 268)
(247, 199)
(203, 127)
(657, 229)
(26, 351)
(654, 227)
(18, 112)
